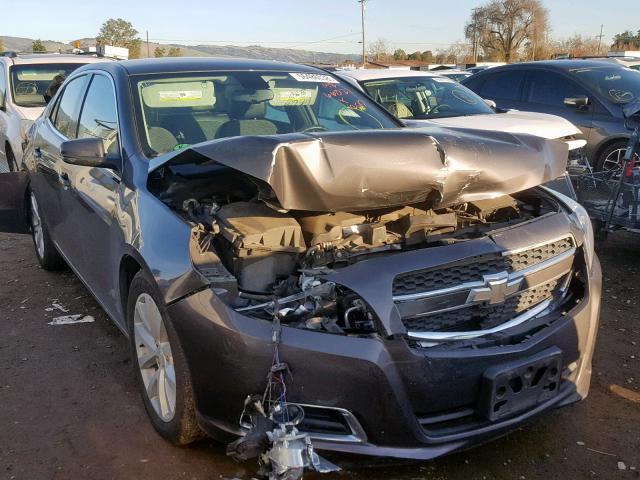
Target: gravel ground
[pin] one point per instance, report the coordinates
(70, 409)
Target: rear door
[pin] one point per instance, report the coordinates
(91, 194)
(545, 91)
(50, 179)
(503, 87)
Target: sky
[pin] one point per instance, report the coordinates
(326, 25)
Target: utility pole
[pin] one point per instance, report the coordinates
(148, 52)
(599, 37)
(364, 56)
(475, 34)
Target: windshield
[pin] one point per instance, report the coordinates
(178, 111)
(619, 85)
(458, 77)
(425, 97)
(29, 83)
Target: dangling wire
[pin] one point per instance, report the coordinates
(276, 390)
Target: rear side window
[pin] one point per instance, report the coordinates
(66, 119)
(502, 85)
(99, 117)
(550, 88)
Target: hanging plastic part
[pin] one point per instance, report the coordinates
(283, 451)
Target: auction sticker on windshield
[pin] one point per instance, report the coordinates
(314, 77)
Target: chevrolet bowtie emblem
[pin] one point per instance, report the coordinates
(496, 289)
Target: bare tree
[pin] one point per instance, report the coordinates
(158, 52)
(502, 28)
(379, 50)
(174, 52)
(578, 46)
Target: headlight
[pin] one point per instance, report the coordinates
(580, 216)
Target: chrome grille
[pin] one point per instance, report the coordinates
(481, 317)
(474, 268)
(483, 293)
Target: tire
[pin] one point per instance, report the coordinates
(11, 160)
(611, 155)
(46, 252)
(155, 353)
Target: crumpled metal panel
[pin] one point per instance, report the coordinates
(359, 170)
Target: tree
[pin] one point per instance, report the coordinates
(502, 28)
(399, 54)
(158, 52)
(415, 56)
(120, 33)
(626, 40)
(38, 47)
(427, 56)
(379, 50)
(578, 46)
(174, 52)
(1, 45)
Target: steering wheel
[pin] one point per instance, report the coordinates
(26, 88)
(440, 108)
(314, 128)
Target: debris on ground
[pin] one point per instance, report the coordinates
(625, 393)
(71, 319)
(622, 466)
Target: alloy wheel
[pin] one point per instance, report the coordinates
(155, 358)
(36, 226)
(614, 160)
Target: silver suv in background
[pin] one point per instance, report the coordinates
(26, 83)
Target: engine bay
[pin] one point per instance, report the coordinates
(274, 260)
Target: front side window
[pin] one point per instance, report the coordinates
(549, 88)
(425, 97)
(66, 118)
(618, 85)
(180, 110)
(3, 83)
(99, 118)
(30, 84)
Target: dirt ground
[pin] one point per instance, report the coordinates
(69, 408)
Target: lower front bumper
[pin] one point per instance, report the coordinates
(392, 391)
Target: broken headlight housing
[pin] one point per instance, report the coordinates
(320, 306)
(580, 217)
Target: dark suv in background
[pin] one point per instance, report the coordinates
(590, 94)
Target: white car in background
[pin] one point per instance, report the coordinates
(457, 75)
(24, 81)
(424, 98)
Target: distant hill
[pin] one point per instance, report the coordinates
(21, 44)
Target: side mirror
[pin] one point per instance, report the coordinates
(579, 101)
(87, 152)
(490, 103)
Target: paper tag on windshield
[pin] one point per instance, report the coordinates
(313, 77)
(174, 95)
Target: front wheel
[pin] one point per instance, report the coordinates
(46, 251)
(612, 157)
(160, 365)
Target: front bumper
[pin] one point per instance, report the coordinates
(396, 400)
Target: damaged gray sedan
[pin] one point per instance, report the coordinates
(294, 270)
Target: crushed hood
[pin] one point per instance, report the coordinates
(360, 170)
(512, 121)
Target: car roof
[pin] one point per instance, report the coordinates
(199, 64)
(450, 71)
(371, 74)
(45, 58)
(566, 65)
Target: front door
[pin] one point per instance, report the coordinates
(91, 196)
